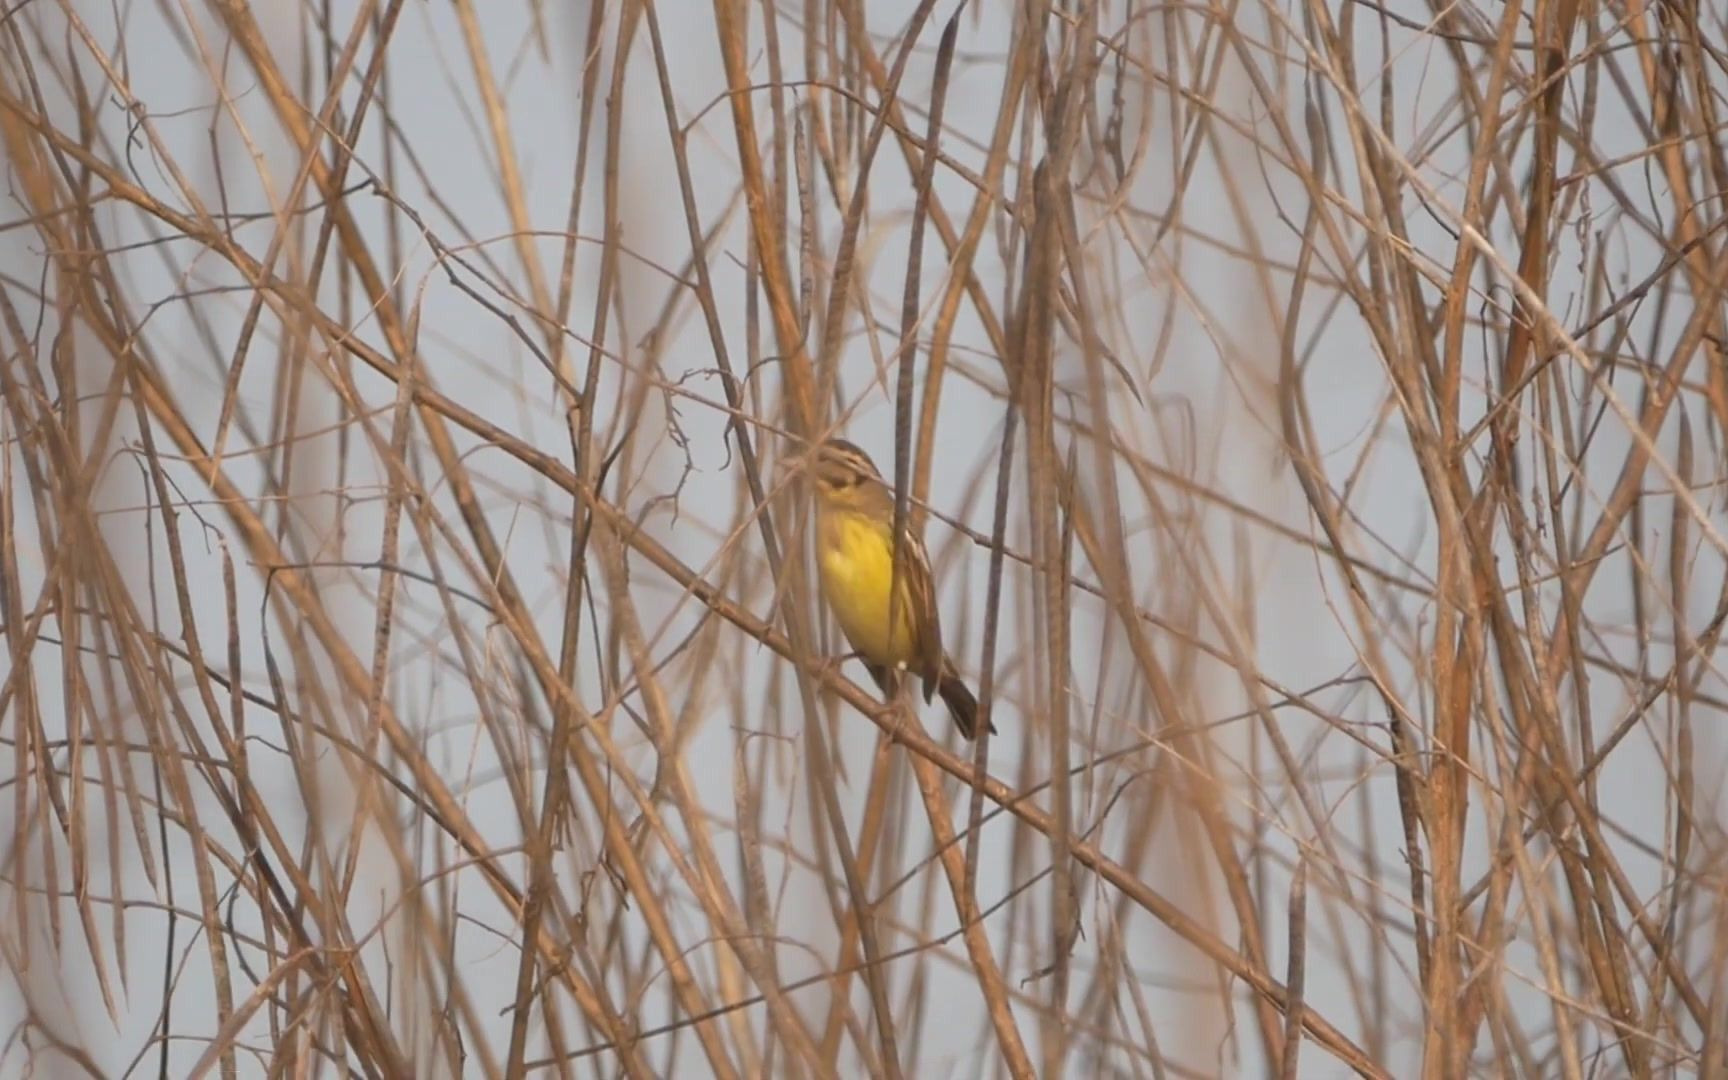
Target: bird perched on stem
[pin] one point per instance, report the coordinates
(855, 555)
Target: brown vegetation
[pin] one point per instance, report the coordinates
(1313, 410)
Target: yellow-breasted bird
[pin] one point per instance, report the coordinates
(855, 554)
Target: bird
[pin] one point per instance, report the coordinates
(855, 560)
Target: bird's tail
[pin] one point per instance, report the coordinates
(962, 706)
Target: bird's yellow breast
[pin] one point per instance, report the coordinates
(856, 561)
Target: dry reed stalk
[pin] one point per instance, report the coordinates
(1316, 413)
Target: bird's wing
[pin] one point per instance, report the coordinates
(921, 595)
